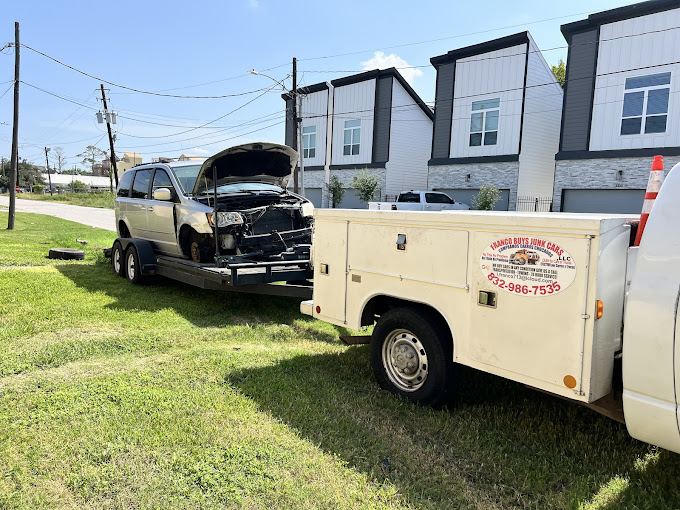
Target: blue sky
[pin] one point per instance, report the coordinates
(206, 48)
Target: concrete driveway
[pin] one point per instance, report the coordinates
(92, 216)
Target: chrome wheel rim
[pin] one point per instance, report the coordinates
(405, 360)
(116, 260)
(131, 266)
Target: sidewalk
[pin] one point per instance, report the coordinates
(92, 216)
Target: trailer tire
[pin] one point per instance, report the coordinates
(117, 259)
(412, 356)
(133, 266)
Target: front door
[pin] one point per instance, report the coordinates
(160, 215)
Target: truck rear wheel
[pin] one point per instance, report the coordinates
(412, 356)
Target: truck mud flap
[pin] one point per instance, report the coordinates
(356, 340)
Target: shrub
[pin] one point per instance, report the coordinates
(38, 188)
(486, 198)
(335, 191)
(79, 186)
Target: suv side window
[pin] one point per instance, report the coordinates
(162, 180)
(140, 186)
(124, 186)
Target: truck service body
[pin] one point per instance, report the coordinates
(449, 289)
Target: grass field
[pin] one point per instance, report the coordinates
(103, 199)
(164, 396)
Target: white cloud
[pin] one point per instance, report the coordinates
(201, 151)
(382, 61)
(254, 3)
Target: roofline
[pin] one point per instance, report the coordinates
(382, 73)
(619, 14)
(309, 89)
(477, 49)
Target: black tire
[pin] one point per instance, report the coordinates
(412, 356)
(200, 249)
(118, 259)
(66, 254)
(133, 266)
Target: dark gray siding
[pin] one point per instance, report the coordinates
(578, 94)
(290, 129)
(443, 110)
(382, 117)
(615, 201)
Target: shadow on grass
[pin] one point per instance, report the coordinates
(203, 308)
(498, 444)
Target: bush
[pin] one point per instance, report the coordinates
(38, 188)
(486, 198)
(79, 187)
(335, 191)
(366, 186)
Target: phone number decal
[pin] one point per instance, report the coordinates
(528, 266)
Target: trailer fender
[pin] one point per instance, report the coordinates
(147, 258)
(378, 304)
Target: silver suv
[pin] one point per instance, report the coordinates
(239, 192)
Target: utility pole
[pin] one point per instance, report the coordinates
(14, 160)
(108, 128)
(295, 122)
(47, 163)
(2, 166)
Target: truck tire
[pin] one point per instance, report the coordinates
(412, 356)
(117, 259)
(133, 266)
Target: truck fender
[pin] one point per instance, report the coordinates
(147, 257)
(377, 303)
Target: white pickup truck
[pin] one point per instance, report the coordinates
(586, 316)
(419, 201)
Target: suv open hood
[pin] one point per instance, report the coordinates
(270, 163)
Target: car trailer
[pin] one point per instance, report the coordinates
(135, 259)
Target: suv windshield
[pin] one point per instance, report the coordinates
(186, 176)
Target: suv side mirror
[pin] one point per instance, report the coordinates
(162, 194)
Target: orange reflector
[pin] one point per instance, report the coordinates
(600, 309)
(570, 381)
(318, 309)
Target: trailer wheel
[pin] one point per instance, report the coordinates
(411, 356)
(133, 267)
(117, 259)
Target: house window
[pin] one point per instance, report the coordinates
(645, 104)
(484, 122)
(351, 140)
(309, 142)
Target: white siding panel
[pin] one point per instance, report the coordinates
(496, 74)
(410, 143)
(313, 111)
(653, 42)
(541, 129)
(354, 101)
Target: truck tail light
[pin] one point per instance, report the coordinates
(600, 308)
(394, 207)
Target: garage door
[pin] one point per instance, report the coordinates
(465, 196)
(350, 200)
(314, 196)
(617, 201)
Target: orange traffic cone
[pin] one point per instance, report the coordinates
(653, 187)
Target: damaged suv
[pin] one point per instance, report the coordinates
(234, 207)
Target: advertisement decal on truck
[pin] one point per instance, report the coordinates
(528, 266)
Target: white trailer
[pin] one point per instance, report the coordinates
(536, 298)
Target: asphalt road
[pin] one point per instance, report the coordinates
(92, 216)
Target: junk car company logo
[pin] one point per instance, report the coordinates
(528, 266)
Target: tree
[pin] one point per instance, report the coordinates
(60, 158)
(366, 186)
(91, 155)
(335, 191)
(560, 72)
(486, 198)
(29, 174)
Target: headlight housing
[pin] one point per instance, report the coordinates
(307, 210)
(225, 219)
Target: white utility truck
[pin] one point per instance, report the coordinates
(448, 289)
(420, 201)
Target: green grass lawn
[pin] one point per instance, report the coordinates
(102, 199)
(165, 396)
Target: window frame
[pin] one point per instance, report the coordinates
(173, 190)
(309, 152)
(148, 186)
(123, 177)
(484, 111)
(644, 116)
(355, 138)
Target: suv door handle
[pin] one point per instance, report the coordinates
(150, 208)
